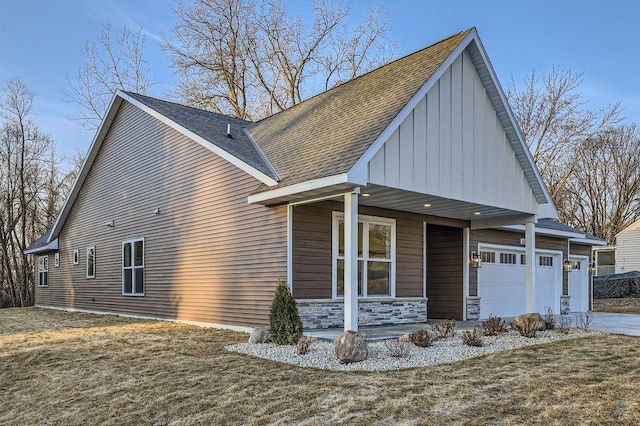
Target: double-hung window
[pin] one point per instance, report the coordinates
(376, 256)
(43, 271)
(133, 267)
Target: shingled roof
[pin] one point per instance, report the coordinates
(213, 128)
(325, 135)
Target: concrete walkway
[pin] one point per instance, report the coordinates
(386, 332)
(628, 324)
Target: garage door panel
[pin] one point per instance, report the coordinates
(501, 286)
(579, 286)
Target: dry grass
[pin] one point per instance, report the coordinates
(61, 368)
(622, 305)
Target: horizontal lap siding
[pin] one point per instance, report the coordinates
(209, 256)
(312, 250)
(581, 250)
(444, 272)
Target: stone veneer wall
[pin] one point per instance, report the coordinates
(318, 314)
(473, 308)
(565, 304)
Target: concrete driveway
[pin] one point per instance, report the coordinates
(628, 324)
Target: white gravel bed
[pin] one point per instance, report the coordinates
(321, 353)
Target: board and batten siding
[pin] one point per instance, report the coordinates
(209, 255)
(453, 145)
(312, 250)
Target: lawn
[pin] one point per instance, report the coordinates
(621, 305)
(73, 368)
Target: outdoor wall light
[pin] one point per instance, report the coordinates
(566, 265)
(475, 260)
(110, 223)
(592, 268)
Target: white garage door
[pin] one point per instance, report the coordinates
(501, 282)
(579, 285)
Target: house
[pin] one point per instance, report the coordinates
(624, 256)
(406, 192)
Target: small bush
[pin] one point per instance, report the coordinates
(584, 320)
(397, 348)
(304, 344)
(528, 326)
(285, 323)
(472, 337)
(549, 320)
(493, 326)
(444, 328)
(421, 338)
(564, 324)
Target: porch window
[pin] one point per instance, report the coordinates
(133, 267)
(43, 271)
(376, 256)
(91, 262)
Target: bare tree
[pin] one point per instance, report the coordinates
(250, 58)
(29, 191)
(109, 65)
(555, 122)
(603, 194)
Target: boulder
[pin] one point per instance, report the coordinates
(351, 347)
(521, 321)
(259, 335)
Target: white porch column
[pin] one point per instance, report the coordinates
(530, 270)
(351, 260)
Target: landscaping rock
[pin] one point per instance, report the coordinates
(259, 335)
(351, 347)
(521, 320)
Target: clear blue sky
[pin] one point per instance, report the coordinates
(41, 41)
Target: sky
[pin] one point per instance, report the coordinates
(42, 41)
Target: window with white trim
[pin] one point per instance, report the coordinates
(575, 265)
(76, 256)
(508, 258)
(546, 260)
(376, 256)
(523, 259)
(91, 262)
(488, 256)
(133, 267)
(43, 271)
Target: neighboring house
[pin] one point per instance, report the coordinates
(392, 187)
(622, 257)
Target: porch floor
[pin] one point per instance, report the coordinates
(382, 332)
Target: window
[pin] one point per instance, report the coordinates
(56, 260)
(91, 262)
(133, 267)
(546, 260)
(523, 259)
(43, 271)
(508, 258)
(376, 256)
(76, 256)
(575, 265)
(488, 256)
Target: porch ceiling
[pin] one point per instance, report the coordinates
(396, 199)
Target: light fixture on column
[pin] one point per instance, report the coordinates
(566, 265)
(475, 260)
(592, 268)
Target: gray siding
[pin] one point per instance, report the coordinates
(209, 256)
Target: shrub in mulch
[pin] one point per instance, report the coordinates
(421, 337)
(444, 328)
(472, 337)
(493, 326)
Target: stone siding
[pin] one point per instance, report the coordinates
(473, 308)
(565, 305)
(319, 314)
